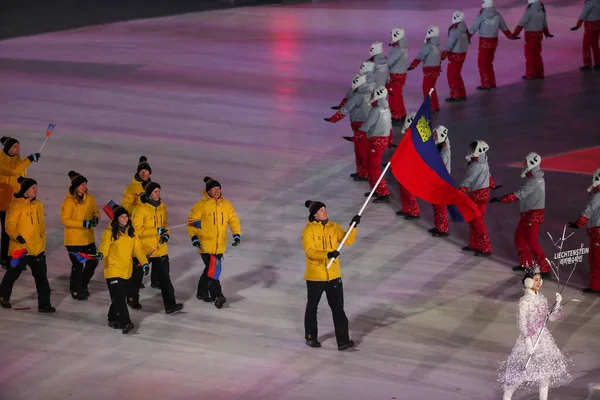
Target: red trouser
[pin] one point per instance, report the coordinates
(395, 86)
(455, 80)
(485, 61)
(594, 257)
(440, 217)
(409, 202)
(591, 36)
(377, 145)
(526, 240)
(430, 75)
(478, 234)
(534, 65)
(360, 149)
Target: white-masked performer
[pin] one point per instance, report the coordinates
(548, 366)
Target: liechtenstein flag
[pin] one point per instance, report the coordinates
(108, 209)
(50, 129)
(82, 257)
(17, 256)
(214, 267)
(418, 166)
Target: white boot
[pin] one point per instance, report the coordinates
(544, 391)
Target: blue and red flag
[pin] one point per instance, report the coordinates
(418, 166)
(50, 129)
(17, 256)
(108, 209)
(214, 267)
(83, 257)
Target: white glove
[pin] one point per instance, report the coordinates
(529, 343)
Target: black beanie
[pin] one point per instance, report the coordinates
(313, 207)
(211, 183)
(118, 211)
(149, 187)
(143, 164)
(26, 184)
(76, 180)
(8, 142)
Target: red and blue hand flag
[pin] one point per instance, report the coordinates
(214, 267)
(108, 209)
(50, 129)
(418, 166)
(17, 256)
(83, 257)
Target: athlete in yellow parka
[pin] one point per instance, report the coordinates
(27, 230)
(79, 215)
(119, 245)
(12, 166)
(151, 226)
(320, 239)
(131, 197)
(209, 219)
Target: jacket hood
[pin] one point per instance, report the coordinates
(402, 43)
(434, 41)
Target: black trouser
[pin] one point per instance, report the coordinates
(207, 285)
(132, 285)
(154, 275)
(163, 274)
(4, 240)
(37, 264)
(335, 297)
(81, 274)
(118, 311)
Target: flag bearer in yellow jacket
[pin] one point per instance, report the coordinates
(27, 230)
(208, 233)
(12, 166)
(131, 197)
(118, 247)
(320, 240)
(79, 215)
(151, 226)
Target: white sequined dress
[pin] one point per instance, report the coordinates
(547, 364)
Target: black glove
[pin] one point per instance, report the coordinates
(98, 256)
(35, 157)
(195, 241)
(550, 36)
(573, 225)
(335, 107)
(20, 239)
(95, 220)
(495, 200)
(146, 269)
(163, 239)
(356, 220)
(574, 28)
(333, 254)
(87, 224)
(236, 239)
(497, 187)
(161, 230)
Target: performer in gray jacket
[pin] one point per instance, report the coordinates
(532, 202)
(378, 128)
(431, 55)
(535, 24)
(591, 217)
(367, 68)
(488, 22)
(398, 64)
(591, 33)
(358, 107)
(382, 72)
(456, 51)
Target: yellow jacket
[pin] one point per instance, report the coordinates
(214, 216)
(146, 220)
(118, 254)
(318, 240)
(72, 215)
(131, 197)
(26, 218)
(10, 170)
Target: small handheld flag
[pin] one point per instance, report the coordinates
(108, 209)
(82, 257)
(50, 129)
(17, 256)
(196, 223)
(214, 267)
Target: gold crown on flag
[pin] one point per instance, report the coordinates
(424, 129)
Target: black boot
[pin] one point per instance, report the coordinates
(382, 199)
(439, 234)
(313, 343)
(86, 292)
(484, 88)
(219, 301)
(467, 248)
(134, 303)
(127, 328)
(204, 296)
(114, 325)
(360, 179)
(400, 213)
(483, 254)
(142, 286)
(46, 309)
(345, 346)
(411, 217)
(79, 296)
(348, 138)
(5, 304)
(176, 307)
